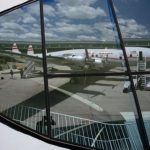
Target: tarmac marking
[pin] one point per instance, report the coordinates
(79, 98)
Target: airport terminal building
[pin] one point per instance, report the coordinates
(72, 76)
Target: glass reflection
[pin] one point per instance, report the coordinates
(143, 92)
(81, 41)
(94, 112)
(21, 74)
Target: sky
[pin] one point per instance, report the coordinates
(77, 20)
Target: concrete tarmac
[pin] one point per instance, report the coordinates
(76, 99)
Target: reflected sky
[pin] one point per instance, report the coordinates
(88, 20)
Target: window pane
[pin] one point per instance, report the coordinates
(93, 111)
(143, 92)
(81, 36)
(135, 29)
(21, 83)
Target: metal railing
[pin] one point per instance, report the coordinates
(28, 69)
(90, 133)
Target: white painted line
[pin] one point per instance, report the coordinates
(79, 98)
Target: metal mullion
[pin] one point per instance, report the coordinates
(55, 75)
(47, 103)
(140, 123)
(17, 7)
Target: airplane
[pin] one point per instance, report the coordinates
(90, 57)
(99, 57)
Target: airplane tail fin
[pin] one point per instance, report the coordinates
(15, 48)
(30, 50)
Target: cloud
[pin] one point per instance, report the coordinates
(79, 9)
(131, 29)
(80, 12)
(6, 35)
(29, 36)
(67, 20)
(13, 27)
(126, 1)
(29, 19)
(49, 10)
(86, 37)
(75, 2)
(67, 28)
(33, 10)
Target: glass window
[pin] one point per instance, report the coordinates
(21, 73)
(89, 91)
(81, 37)
(143, 92)
(94, 112)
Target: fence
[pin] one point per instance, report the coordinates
(90, 133)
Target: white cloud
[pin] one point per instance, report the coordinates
(29, 19)
(50, 36)
(29, 36)
(36, 25)
(67, 28)
(86, 37)
(131, 29)
(105, 30)
(76, 2)
(33, 10)
(80, 12)
(49, 10)
(66, 20)
(11, 26)
(126, 1)
(6, 35)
